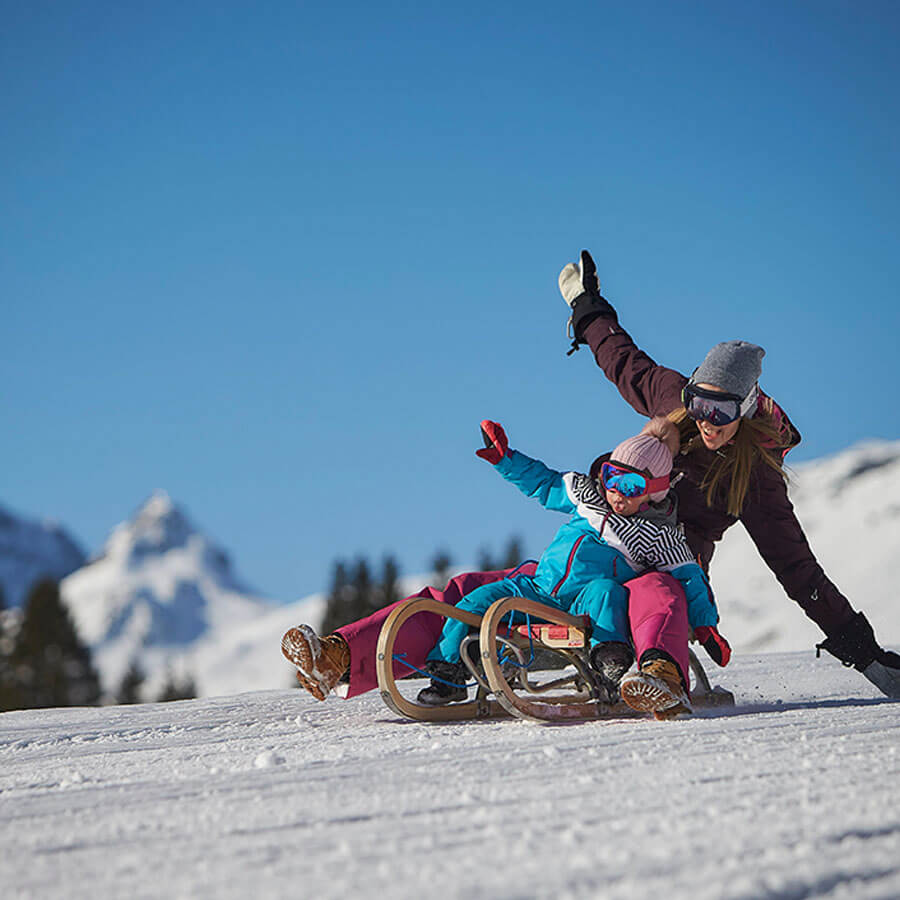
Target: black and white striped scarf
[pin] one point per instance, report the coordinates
(655, 542)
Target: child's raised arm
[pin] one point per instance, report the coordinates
(529, 475)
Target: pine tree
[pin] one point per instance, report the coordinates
(388, 590)
(130, 685)
(51, 664)
(514, 554)
(175, 688)
(337, 607)
(363, 590)
(440, 566)
(7, 684)
(486, 561)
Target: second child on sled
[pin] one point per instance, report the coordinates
(623, 523)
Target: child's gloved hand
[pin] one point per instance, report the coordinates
(714, 644)
(495, 443)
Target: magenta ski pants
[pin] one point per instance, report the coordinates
(657, 611)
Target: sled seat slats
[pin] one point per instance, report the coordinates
(554, 635)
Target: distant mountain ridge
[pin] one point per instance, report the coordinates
(30, 551)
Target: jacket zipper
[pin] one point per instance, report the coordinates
(568, 566)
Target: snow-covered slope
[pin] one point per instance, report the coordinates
(849, 506)
(30, 551)
(793, 794)
(159, 592)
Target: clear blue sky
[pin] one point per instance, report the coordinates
(280, 259)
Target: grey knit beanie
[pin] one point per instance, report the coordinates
(733, 366)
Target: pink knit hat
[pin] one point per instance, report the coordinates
(651, 450)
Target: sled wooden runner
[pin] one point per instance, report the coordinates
(572, 696)
(580, 705)
(482, 706)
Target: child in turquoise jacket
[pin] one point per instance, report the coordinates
(623, 523)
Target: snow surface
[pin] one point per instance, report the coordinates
(849, 507)
(792, 794)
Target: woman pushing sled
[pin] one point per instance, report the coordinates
(728, 468)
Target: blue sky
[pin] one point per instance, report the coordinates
(280, 259)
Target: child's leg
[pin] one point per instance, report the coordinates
(658, 613)
(606, 603)
(477, 601)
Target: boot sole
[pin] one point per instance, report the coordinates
(296, 646)
(648, 694)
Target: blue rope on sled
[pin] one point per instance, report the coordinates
(504, 658)
(399, 658)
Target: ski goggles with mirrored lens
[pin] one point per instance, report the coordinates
(616, 477)
(715, 407)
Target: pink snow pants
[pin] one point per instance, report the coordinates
(657, 610)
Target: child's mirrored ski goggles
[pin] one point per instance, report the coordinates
(715, 407)
(616, 477)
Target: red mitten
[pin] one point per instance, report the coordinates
(714, 644)
(495, 443)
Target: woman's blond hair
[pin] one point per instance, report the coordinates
(760, 439)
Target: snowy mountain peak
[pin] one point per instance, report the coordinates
(159, 586)
(158, 527)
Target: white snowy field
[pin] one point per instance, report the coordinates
(791, 794)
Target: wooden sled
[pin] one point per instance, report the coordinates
(504, 688)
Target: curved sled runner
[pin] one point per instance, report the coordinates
(506, 651)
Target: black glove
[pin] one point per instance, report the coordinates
(581, 290)
(855, 645)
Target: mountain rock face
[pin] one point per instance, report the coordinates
(31, 551)
(158, 591)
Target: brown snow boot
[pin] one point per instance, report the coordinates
(658, 688)
(320, 662)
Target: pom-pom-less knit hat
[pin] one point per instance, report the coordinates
(733, 366)
(648, 451)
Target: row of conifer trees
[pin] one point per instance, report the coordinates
(356, 592)
(44, 662)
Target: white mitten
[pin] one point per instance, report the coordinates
(580, 288)
(577, 280)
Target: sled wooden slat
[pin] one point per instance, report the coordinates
(480, 707)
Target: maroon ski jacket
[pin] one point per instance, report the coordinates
(767, 514)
